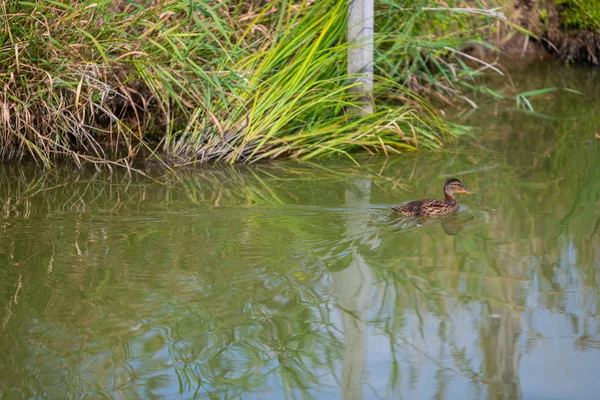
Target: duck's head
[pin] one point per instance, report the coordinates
(453, 185)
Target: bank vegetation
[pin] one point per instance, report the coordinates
(185, 82)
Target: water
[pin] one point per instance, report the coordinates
(294, 280)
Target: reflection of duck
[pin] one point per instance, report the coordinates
(451, 224)
(454, 224)
(432, 206)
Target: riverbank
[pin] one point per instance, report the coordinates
(179, 84)
(200, 82)
(568, 30)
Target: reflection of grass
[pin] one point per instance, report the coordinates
(221, 274)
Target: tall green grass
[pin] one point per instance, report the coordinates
(87, 77)
(296, 98)
(424, 45)
(186, 82)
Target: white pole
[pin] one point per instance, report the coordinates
(360, 51)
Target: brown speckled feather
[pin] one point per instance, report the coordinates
(426, 207)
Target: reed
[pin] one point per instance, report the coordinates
(203, 81)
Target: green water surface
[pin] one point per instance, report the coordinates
(290, 280)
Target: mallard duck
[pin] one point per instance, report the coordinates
(432, 206)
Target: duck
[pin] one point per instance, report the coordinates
(433, 207)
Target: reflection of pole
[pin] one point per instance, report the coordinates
(502, 354)
(353, 285)
(501, 334)
(360, 50)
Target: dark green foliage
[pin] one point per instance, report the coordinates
(579, 14)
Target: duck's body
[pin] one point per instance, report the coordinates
(427, 207)
(433, 207)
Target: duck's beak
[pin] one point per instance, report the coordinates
(467, 191)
